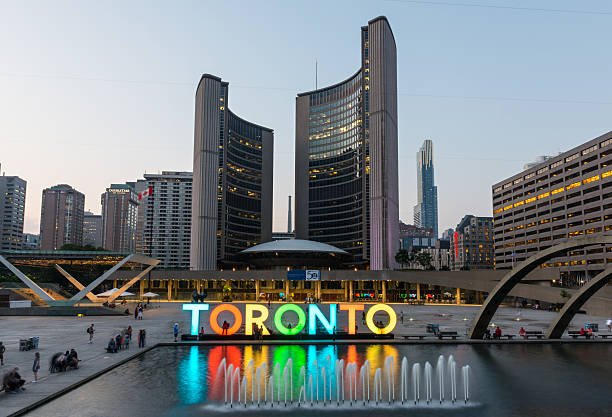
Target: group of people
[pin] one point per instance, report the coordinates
(258, 332)
(497, 333)
(138, 311)
(61, 362)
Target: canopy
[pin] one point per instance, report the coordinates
(150, 294)
(113, 291)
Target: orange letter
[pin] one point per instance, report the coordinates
(351, 308)
(249, 320)
(215, 314)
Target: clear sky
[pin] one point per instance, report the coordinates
(100, 92)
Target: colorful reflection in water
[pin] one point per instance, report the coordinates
(201, 381)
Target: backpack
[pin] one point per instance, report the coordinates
(88, 330)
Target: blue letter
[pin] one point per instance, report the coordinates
(315, 312)
(195, 315)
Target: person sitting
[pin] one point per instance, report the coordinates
(12, 381)
(497, 333)
(112, 346)
(584, 333)
(487, 334)
(522, 332)
(72, 359)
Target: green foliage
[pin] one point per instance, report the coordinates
(403, 257)
(424, 259)
(565, 294)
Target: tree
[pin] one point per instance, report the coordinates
(424, 259)
(402, 257)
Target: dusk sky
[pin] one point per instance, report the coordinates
(94, 93)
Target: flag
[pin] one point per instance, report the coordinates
(145, 193)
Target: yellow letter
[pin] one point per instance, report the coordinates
(370, 319)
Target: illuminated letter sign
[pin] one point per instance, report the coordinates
(315, 312)
(281, 328)
(215, 314)
(370, 319)
(195, 315)
(351, 308)
(249, 320)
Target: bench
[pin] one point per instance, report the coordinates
(605, 335)
(442, 335)
(414, 336)
(576, 334)
(533, 333)
(506, 336)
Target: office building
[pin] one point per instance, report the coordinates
(61, 217)
(426, 209)
(564, 197)
(119, 217)
(232, 179)
(346, 178)
(12, 208)
(414, 237)
(165, 211)
(472, 244)
(92, 229)
(30, 241)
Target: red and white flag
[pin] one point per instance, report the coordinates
(145, 193)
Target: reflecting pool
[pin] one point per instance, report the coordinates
(504, 380)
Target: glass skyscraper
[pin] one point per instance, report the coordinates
(426, 210)
(346, 175)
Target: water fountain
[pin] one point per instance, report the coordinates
(350, 382)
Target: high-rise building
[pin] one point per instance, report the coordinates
(31, 241)
(232, 179)
(165, 212)
(119, 217)
(12, 208)
(426, 209)
(472, 243)
(61, 217)
(92, 229)
(346, 177)
(563, 197)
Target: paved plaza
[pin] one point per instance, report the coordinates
(61, 333)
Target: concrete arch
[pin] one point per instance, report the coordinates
(510, 280)
(571, 307)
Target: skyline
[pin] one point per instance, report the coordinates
(145, 107)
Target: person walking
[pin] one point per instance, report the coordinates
(140, 313)
(2, 350)
(136, 311)
(175, 330)
(609, 324)
(90, 331)
(36, 366)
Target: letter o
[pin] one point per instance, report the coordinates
(369, 319)
(280, 327)
(215, 314)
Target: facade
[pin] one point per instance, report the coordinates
(472, 244)
(414, 237)
(426, 209)
(232, 179)
(282, 236)
(346, 175)
(119, 218)
(440, 255)
(30, 241)
(12, 209)
(92, 229)
(61, 217)
(567, 196)
(165, 233)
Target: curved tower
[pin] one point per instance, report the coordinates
(346, 184)
(232, 180)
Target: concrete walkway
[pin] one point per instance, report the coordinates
(61, 333)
